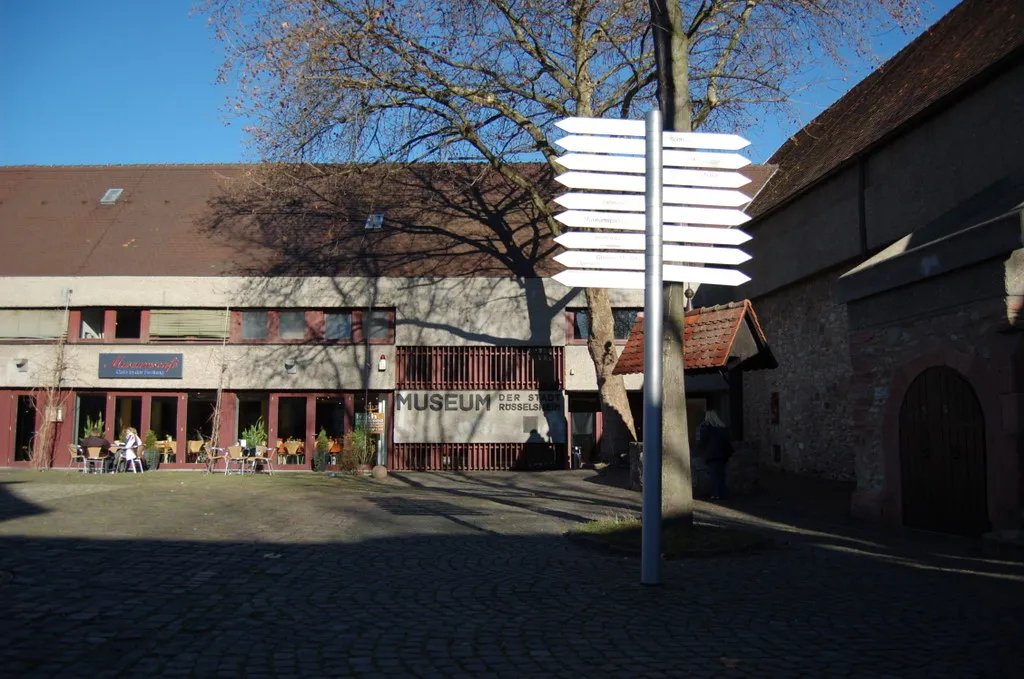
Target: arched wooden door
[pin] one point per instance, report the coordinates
(942, 455)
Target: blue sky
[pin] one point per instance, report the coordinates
(133, 81)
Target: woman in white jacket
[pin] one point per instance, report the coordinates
(131, 444)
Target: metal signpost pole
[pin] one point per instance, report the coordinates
(650, 565)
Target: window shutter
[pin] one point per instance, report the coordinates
(31, 323)
(176, 323)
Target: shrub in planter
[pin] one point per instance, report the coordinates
(349, 461)
(358, 441)
(150, 455)
(323, 445)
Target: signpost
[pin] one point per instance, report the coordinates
(623, 159)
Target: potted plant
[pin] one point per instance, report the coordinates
(360, 448)
(323, 445)
(255, 435)
(92, 425)
(150, 455)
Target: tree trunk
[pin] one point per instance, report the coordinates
(618, 428)
(672, 54)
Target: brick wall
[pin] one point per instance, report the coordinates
(807, 333)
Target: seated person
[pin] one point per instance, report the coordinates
(95, 440)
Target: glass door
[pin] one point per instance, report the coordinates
(127, 413)
(371, 412)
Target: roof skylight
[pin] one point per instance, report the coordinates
(111, 196)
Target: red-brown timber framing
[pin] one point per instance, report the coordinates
(476, 456)
(479, 368)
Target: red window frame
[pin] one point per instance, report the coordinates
(570, 325)
(109, 327)
(316, 327)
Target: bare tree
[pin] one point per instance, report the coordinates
(51, 398)
(341, 81)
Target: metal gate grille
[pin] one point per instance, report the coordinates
(942, 455)
(480, 368)
(476, 456)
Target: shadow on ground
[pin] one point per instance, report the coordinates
(395, 599)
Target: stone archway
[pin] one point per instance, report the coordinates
(942, 451)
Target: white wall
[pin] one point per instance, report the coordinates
(430, 312)
(329, 368)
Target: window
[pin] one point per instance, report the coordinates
(299, 325)
(338, 325)
(291, 325)
(31, 323)
(623, 320)
(254, 325)
(91, 326)
(377, 325)
(128, 324)
(186, 323)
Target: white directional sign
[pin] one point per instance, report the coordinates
(670, 194)
(694, 254)
(636, 147)
(634, 280)
(671, 233)
(635, 164)
(670, 213)
(635, 128)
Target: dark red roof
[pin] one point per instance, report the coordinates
(708, 342)
(212, 220)
(970, 40)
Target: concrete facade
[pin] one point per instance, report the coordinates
(460, 313)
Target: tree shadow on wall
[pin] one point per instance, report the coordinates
(462, 250)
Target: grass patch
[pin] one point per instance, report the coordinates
(623, 534)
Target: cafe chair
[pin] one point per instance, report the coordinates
(96, 455)
(195, 448)
(293, 451)
(262, 457)
(236, 455)
(135, 464)
(77, 455)
(213, 456)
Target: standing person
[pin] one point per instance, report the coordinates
(131, 444)
(713, 437)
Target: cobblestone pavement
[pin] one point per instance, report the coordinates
(187, 575)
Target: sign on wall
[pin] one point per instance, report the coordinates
(480, 417)
(141, 366)
(372, 422)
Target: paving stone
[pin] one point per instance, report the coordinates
(474, 585)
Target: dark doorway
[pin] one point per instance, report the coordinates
(583, 415)
(24, 429)
(942, 455)
(200, 411)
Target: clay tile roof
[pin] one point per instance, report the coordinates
(708, 342)
(975, 37)
(440, 219)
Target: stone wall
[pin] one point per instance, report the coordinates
(958, 316)
(807, 333)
